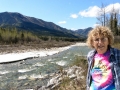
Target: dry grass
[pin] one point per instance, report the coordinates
(29, 46)
(117, 42)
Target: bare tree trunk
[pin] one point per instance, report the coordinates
(102, 15)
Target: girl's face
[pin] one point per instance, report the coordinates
(100, 43)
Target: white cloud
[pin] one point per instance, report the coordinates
(62, 22)
(90, 12)
(116, 7)
(93, 11)
(74, 15)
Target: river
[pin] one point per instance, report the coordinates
(35, 72)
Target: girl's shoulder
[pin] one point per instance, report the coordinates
(92, 52)
(115, 51)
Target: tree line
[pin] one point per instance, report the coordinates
(15, 36)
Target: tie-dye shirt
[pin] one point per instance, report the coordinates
(102, 78)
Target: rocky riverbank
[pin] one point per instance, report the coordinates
(71, 75)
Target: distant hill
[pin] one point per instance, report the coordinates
(37, 26)
(84, 32)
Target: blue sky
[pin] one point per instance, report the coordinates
(70, 14)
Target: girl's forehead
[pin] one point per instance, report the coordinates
(98, 36)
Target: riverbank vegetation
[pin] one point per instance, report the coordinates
(12, 39)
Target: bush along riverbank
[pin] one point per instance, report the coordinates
(71, 78)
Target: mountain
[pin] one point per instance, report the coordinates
(83, 32)
(38, 26)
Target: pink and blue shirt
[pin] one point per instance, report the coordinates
(102, 78)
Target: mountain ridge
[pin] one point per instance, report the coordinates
(35, 25)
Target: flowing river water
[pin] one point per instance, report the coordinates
(30, 73)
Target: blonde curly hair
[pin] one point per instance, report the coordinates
(100, 30)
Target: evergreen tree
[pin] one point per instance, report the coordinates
(111, 22)
(115, 24)
(22, 37)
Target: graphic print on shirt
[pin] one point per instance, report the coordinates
(101, 72)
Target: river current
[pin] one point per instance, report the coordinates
(30, 73)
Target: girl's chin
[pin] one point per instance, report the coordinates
(101, 51)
